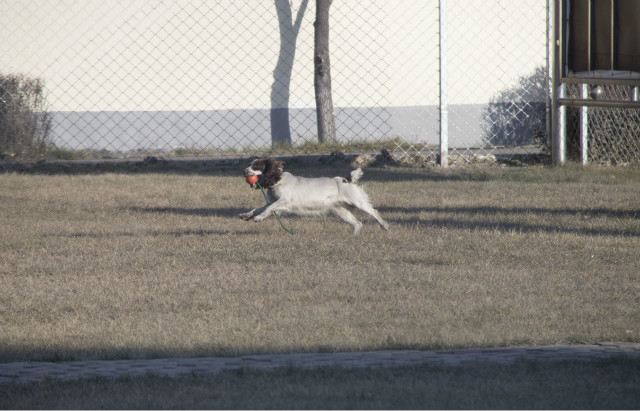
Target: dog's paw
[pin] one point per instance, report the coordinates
(246, 216)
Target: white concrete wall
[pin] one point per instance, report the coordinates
(180, 55)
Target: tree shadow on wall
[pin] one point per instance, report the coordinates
(280, 90)
(516, 116)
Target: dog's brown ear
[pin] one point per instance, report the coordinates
(272, 172)
(277, 164)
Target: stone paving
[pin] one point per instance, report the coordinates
(38, 371)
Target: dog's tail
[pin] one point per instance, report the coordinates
(355, 175)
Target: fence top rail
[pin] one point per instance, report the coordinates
(600, 80)
(578, 102)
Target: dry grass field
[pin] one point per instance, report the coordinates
(147, 265)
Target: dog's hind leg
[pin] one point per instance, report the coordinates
(349, 218)
(368, 208)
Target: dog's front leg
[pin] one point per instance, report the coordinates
(249, 215)
(268, 210)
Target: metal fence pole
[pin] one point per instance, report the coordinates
(558, 149)
(549, 73)
(584, 127)
(444, 105)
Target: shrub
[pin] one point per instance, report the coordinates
(25, 124)
(516, 115)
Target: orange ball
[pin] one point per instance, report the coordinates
(252, 179)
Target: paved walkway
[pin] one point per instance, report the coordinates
(37, 371)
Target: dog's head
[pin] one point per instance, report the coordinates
(268, 170)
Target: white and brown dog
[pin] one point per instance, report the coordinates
(309, 196)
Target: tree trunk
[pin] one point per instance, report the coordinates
(322, 74)
(280, 89)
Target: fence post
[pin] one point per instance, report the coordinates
(558, 144)
(444, 104)
(584, 127)
(549, 74)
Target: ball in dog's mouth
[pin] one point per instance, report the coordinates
(252, 180)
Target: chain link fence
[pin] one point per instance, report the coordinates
(612, 135)
(123, 79)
